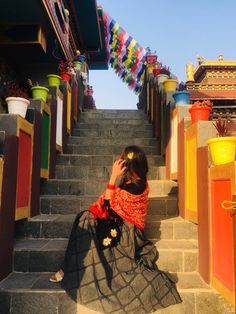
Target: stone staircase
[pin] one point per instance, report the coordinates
(81, 175)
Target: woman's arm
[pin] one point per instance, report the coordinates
(117, 170)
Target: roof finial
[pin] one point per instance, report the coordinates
(220, 57)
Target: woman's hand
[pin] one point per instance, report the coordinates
(118, 168)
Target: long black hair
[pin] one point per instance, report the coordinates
(136, 164)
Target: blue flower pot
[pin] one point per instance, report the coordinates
(181, 98)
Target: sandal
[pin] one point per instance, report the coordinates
(57, 277)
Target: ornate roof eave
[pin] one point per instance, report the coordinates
(213, 64)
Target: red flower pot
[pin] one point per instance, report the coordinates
(156, 72)
(65, 76)
(199, 114)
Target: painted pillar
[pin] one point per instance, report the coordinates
(8, 178)
(182, 126)
(222, 187)
(196, 136)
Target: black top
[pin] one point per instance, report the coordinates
(134, 188)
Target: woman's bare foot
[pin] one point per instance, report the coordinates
(57, 277)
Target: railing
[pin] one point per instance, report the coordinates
(203, 187)
(28, 149)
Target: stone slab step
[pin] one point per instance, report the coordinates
(96, 187)
(113, 121)
(162, 187)
(59, 226)
(106, 149)
(112, 141)
(73, 187)
(108, 114)
(115, 127)
(65, 204)
(32, 293)
(107, 134)
(163, 205)
(92, 173)
(121, 113)
(73, 204)
(101, 160)
(46, 255)
(163, 227)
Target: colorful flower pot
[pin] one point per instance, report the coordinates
(65, 76)
(181, 97)
(54, 80)
(170, 85)
(40, 92)
(222, 149)
(17, 105)
(156, 72)
(199, 113)
(77, 65)
(82, 58)
(161, 78)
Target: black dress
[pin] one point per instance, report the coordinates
(122, 278)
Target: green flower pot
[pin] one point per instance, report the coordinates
(77, 65)
(54, 80)
(40, 92)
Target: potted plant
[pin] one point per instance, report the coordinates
(163, 74)
(181, 96)
(170, 84)
(200, 110)
(65, 68)
(17, 97)
(39, 92)
(78, 60)
(223, 147)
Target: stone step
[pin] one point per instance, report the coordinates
(73, 204)
(113, 121)
(163, 205)
(59, 226)
(167, 227)
(114, 114)
(95, 172)
(106, 149)
(65, 204)
(101, 160)
(22, 293)
(162, 187)
(73, 187)
(115, 127)
(46, 255)
(112, 133)
(97, 187)
(84, 141)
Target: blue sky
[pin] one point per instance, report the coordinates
(178, 30)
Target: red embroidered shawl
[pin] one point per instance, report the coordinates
(132, 208)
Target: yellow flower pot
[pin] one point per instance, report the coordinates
(170, 85)
(222, 149)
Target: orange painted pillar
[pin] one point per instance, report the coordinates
(223, 230)
(203, 213)
(196, 136)
(176, 115)
(182, 126)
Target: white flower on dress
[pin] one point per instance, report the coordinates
(114, 233)
(106, 241)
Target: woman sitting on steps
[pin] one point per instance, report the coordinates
(109, 265)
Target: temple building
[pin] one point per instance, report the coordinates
(214, 80)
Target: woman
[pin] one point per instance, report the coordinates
(109, 265)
